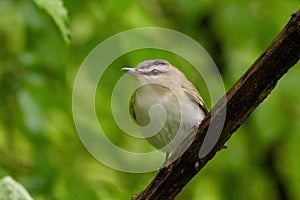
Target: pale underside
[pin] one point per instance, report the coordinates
(165, 121)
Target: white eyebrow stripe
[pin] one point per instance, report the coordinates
(159, 67)
(153, 67)
(153, 70)
(150, 68)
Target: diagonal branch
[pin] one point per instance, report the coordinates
(235, 106)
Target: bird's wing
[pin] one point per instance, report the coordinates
(131, 106)
(192, 92)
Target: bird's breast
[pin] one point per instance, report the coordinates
(176, 104)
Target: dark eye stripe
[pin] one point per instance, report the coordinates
(150, 67)
(153, 72)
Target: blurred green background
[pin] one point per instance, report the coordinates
(43, 43)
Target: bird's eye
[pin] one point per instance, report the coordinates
(155, 71)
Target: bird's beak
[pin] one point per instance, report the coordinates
(129, 70)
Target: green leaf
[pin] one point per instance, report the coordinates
(59, 13)
(12, 190)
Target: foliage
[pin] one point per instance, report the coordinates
(59, 14)
(39, 146)
(11, 190)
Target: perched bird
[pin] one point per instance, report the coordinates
(180, 106)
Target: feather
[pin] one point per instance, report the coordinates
(131, 106)
(191, 91)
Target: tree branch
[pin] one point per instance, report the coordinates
(235, 106)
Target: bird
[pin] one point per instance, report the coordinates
(179, 106)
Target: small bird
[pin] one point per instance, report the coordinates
(180, 107)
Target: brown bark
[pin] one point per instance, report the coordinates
(236, 105)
